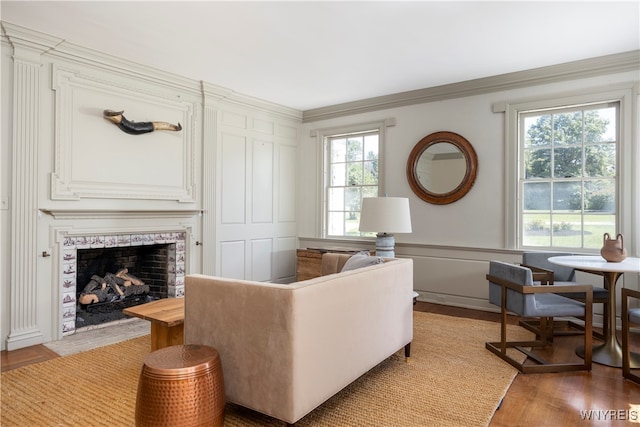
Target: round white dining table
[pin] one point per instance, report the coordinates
(609, 353)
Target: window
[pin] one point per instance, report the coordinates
(567, 186)
(353, 172)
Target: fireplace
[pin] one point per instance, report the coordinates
(103, 274)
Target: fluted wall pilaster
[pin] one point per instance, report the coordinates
(24, 199)
(209, 191)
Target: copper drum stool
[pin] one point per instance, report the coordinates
(181, 385)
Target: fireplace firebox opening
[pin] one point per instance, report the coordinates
(112, 279)
(103, 275)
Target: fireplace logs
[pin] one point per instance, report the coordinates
(112, 287)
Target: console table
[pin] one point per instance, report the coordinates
(309, 260)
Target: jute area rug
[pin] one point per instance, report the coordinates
(451, 380)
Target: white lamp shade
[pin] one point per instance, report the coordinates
(385, 215)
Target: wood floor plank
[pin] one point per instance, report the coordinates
(25, 356)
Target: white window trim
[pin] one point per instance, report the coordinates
(626, 175)
(321, 136)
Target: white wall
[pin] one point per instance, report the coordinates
(452, 244)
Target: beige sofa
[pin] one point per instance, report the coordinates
(285, 349)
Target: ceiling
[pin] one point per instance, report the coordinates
(311, 54)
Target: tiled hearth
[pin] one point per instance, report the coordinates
(176, 242)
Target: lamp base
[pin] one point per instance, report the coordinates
(385, 245)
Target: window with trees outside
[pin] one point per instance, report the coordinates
(568, 176)
(352, 173)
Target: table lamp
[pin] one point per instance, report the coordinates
(385, 216)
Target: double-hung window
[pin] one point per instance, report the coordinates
(352, 172)
(568, 175)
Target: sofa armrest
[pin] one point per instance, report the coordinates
(250, 324)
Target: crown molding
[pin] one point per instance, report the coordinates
(609, 64)
(56, 47)
(16, 35)
(230, 97)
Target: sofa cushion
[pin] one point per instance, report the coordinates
(360, 261)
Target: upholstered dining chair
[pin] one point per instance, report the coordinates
(511, 287)
(548, 273)
(629, 316)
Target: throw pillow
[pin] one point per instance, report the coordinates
(360, 261)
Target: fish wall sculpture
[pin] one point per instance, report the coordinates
(137, 128)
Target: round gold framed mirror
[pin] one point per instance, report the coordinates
(442, 167)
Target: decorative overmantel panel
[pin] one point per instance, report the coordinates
(94, 159)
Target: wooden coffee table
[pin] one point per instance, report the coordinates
(167, 320)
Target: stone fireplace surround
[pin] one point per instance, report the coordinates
(71, 245)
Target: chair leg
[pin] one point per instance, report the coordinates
(541, 365)
(546, 330)
(626, 350)
(588, 336)
(605, 323)
(536, 327)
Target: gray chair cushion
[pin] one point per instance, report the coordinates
(561, 275)
(515, 300)
(540, 305)
(598, 292)
(552, 305)
(634, 315)
(541, 260)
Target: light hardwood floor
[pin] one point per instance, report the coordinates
(555, 399)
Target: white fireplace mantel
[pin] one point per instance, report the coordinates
(120, 214)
